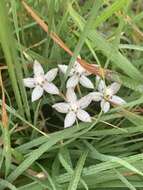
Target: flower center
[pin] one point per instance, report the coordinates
(73, 107)
(107, 94)
(78, 74)
(40, 80)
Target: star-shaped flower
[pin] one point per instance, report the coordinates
(41, 81)
(77, 75)
(73, 108)
(107, 95)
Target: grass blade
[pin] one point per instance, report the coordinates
(77, 173)
(6, 184)
(8, 44)
(5, 131)
(125, 181)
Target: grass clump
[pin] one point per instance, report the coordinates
(101, 144)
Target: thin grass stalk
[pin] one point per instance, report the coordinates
(5, 131)
(9, 52)
(18, 70)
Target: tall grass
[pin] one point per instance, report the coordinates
(106, 154)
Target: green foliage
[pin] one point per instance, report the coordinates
(105, 154)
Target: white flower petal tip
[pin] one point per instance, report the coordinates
(84, 81)
(117, 100)
(83, 116)
(79, 68)
(101, 86)
(95, 96)
(105, 106)
(51, 88)
(37, 93)
(63, 68)
(72, 81)
(98, 79)
(84, 102)
(114, 87)
(61, 107)
(69, 119)
(29, 82)
(70, 95)
(38, 70)
(50, 75)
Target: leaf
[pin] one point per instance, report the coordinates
(69, 169)
(125, 181)
(5, 183)
(77, 173)
(5, 131)
(9, 52)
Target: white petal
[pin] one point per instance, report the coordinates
(84, 81)
(100, 84)
(72, 71)
(51, 88)
(37, 93)
(50, 75)
(63, 68)
(70, 95)
(38, 70)
(114, 87)
(61, 107)
(84, 101)
(83, 116)
(105, 106)
(87, 73)
(78, 67)
(72, 81)
(97, 78)
(95, 96)
(29, 82)
(117, 100)
(69, 119)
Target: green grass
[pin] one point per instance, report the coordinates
(35, 151)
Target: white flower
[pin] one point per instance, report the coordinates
(41, 81)
(107, 95)
(77, 75)
(73, 108)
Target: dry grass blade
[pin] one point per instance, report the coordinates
(4, 112)
(5, 131)
(3, 67)
(92, 69)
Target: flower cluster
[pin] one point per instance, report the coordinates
(73, 107)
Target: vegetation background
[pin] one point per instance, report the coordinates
(35, 152)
